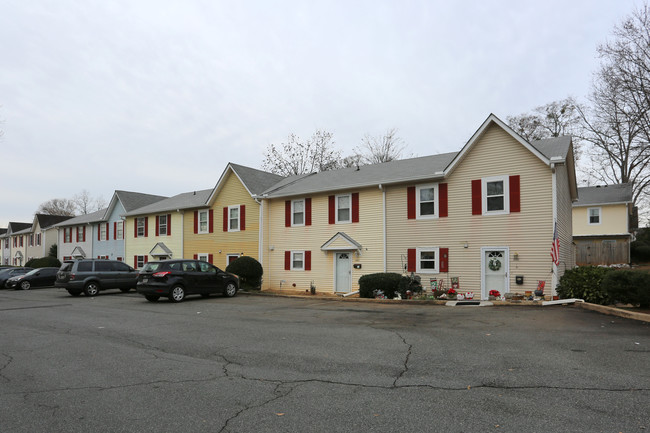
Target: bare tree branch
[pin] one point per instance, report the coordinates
(300, 157)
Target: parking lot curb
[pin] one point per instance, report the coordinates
(613, 311)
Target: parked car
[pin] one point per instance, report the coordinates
(5, 274)
(41, 277)
(175, 279)
(90, 276)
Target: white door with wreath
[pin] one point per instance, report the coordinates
(495, 270)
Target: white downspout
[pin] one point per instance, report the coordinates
(383, 195)
(554, 280)
(260, 239)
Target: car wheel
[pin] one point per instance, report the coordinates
(91, 289)
(231, 290)
(25, 285)
(125, 290)
(152, 298)
(177, 294)
(74, 292)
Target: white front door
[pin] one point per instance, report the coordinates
(495, 269)
(343, 272)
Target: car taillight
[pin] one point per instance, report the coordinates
(71, 277)
(161, 274)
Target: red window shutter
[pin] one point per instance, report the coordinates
(308, 211)
(410, 205)
(476, 197)
(146, 231)
(515, 195)
(211, 221)
(196, 221)
(77, 234)
(411, 260)
(157, 225)
(332, 210)
(169, 224)
(211, 259)
(135, 227)
(107, 231)
(114, 230)
(444, 259)
(225, 219)
(146, 259)
(442, 199)
(307, 260)
(287, 260)
(135, 262)
(196, 256)
(99, 233)
(355, 207)
(84, 234)
(287, 213)
(242, 217)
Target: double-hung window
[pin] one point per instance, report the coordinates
(593, 215)
(140, 224)
(298, 212)
(428, 260)
(343, 209)
(119, 230)
(162, 225)
(233, 218)
(103, 231)
(203, 226)
(297, 260)
(495, 195)
(427, 201)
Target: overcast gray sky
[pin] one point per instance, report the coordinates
(158, 96)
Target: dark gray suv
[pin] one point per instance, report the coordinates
(92, 275)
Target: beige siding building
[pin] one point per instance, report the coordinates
(601, 224)
(485, 215)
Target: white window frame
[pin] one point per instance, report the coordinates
(67, 235)
(600, 216)
(161, 225)
(293, 213)
(140, 262)
(238, 207)
(137, 225)
(103, 232)
(506, 194)
(203, 256)
(205, 213)
(418, 259)
(120, 230)
(228, 256)
(435, 201)
(293, 253)
(336, 208)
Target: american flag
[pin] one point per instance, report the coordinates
(555, 248)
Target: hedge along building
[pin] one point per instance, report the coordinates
(486, 215)
(227, 225)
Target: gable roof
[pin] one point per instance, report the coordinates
(255, 181)
(47, 221)
(83, 219)
(132, 200)
(186, 200)
(15, 227)
(621, 193)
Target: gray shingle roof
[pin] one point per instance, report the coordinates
(186, 200)
(255, 180)
(404, 170)
(606, 194)
(83, 219)
(553, 147)
(133, 200)
(46, 221)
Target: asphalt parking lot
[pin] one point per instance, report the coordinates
(117, 363)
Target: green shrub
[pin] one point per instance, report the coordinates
(249, 271)
(407, 283)
(44, 262)
(386, 282)
(584, 282)
(628, 287)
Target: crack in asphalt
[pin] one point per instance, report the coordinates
(10, 359)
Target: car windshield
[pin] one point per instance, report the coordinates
(32, 272)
